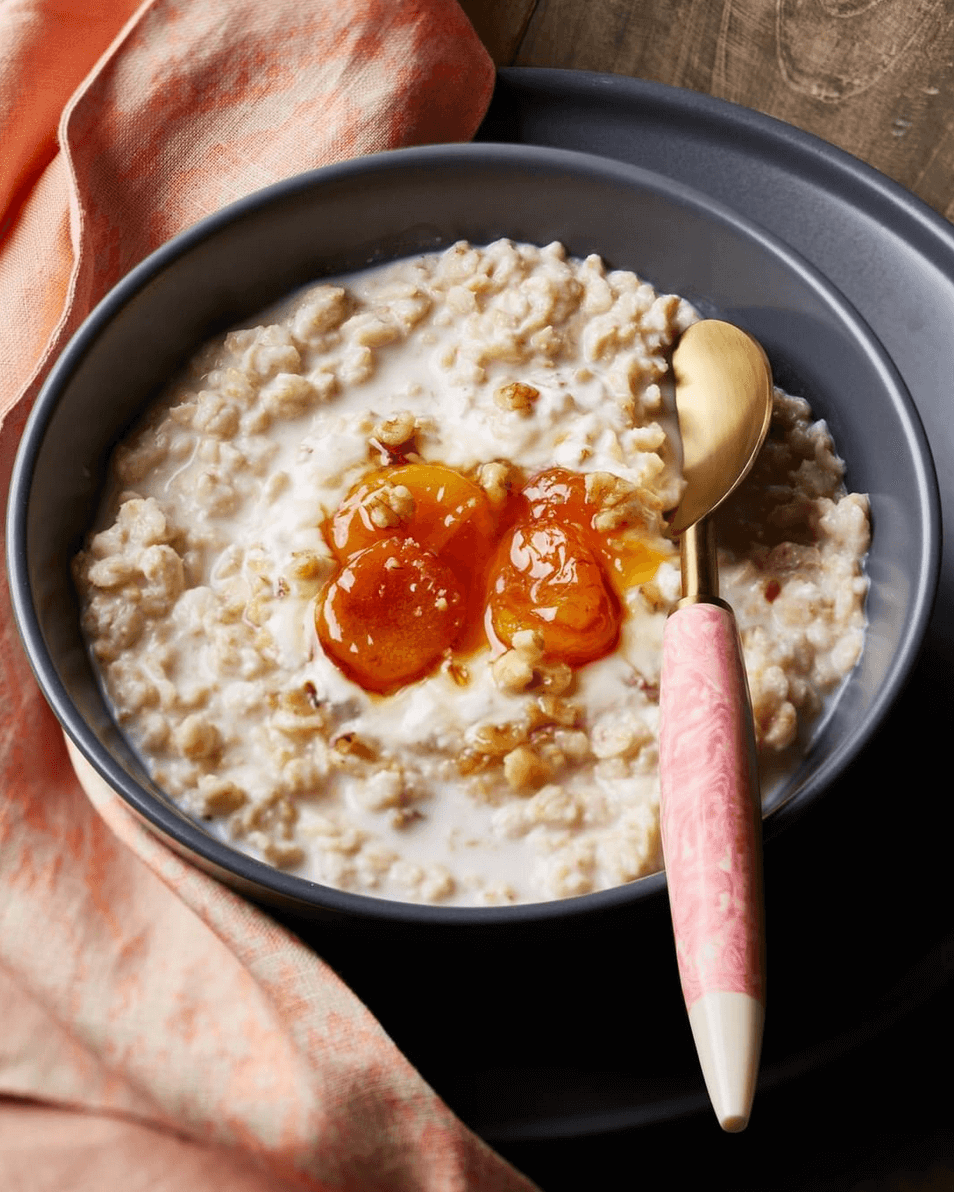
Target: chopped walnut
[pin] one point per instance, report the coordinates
(469, 761)
(555, 677)
(512, 671)
(525, 769)
(522, 666)
(396, 431)
(574, 744)
(529, 644)
(517, 397)
(618, 502)
(560, 746)
(498, 739)
(389, 506)
(497, 479)
(515, 672)
(550, 709)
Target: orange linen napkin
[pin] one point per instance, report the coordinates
(158, 1031)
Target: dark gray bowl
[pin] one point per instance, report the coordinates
(239, 260)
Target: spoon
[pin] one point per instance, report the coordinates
(710, 807)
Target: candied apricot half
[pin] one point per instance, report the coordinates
(389, 614)
(547, 578)
(446, 514)
(561, 493)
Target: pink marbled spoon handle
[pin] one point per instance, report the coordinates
(709, 806)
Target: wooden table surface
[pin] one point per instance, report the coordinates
(876, 78)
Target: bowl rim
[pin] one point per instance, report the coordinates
(290, 889)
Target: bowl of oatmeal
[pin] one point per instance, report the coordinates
(338, 534)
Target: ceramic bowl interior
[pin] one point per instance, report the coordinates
(240, 260)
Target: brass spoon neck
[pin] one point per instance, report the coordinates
(699, 564)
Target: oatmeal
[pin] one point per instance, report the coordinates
(377, 589)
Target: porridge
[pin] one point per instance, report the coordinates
(377, 589)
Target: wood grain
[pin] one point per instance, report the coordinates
(875, 77)
(500, 25)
